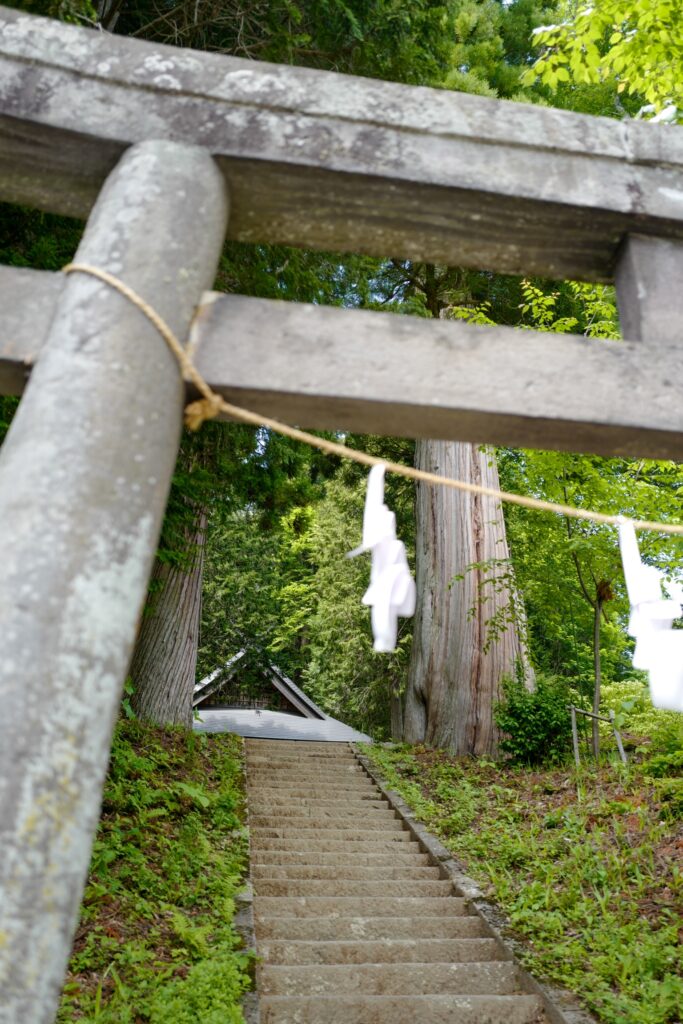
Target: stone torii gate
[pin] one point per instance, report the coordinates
(153, 146)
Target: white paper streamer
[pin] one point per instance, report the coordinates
(392, 589)
(659, 648)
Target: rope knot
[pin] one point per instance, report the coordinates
(202, 410)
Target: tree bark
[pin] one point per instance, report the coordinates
(459, 654)
(165, 657)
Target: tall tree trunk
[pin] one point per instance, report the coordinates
(467, 632)
(597, 614)
(165, 656)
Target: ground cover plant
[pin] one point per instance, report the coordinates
(586, 865)
(156, 939)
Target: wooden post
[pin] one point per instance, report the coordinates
(597, 682)
(84, 476)
(575, 737)
(649, 294)
(617, 736)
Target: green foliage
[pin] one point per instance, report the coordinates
(156, 940)
(558, 562)
(8, 407)
(585, 867)
(209, 993)
(655, 730)
(43, 241)
(495, 577)
(536, 723)
(670, 793)
(386, 39)
(573, 307)
(635, 45)
(665, 771)
(663, 765)
(78, 11)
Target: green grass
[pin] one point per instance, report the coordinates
(586, 867)
(156, 941)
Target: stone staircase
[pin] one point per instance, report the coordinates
(353, 923)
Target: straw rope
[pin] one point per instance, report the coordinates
(211, 405)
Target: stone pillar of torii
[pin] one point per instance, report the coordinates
(148, 142)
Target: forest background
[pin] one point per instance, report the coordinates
(252, 552)
(586, 865)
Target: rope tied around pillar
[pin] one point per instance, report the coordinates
(211, 405)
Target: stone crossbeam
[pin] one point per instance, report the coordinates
(330, 368)
(330, 161)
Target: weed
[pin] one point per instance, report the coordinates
(594, 886)
(156, 940)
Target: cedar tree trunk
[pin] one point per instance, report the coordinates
(459, 654)
(165, 656)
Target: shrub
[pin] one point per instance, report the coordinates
(637, 716)
(536, 724)
(663, 766)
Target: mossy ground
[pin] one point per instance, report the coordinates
(586, 865)
(156, 941)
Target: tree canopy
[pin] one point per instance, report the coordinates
(636, 46)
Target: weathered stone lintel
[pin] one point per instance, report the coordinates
(336, 162)
(327, 368)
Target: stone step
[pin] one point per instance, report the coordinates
(353, 923)
(299, 748)
(328, 772)
(353, 794)
(337, 872)
(278, 786)
(285, 797)
(270, 907)
(388, 858)
(303, 749)
(306, 780)
(307, 767)
(307, 764)
(326, 824)
(298, 780)
(328, 812)
(311, 887)
(296, 744)
(392, 951)
(349, 843)
(311, 757)
(343, 797)
(489, 978)
(326, 929)
(326, 808)
(429, 1009)
(310, 764)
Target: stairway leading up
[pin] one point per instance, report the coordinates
(353, 923)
